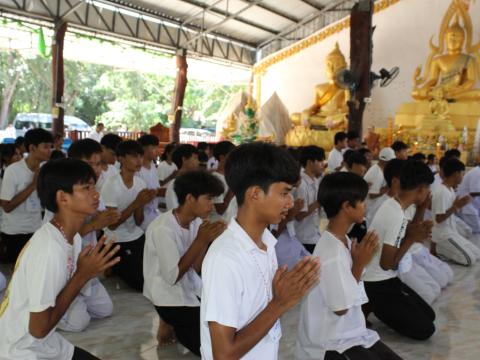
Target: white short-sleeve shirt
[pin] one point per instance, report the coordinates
(116, 195)
(165, 169)
(165, 243)
(335, 159)
(171, 199)
(44, 267)
(390, 224)
(110, 171)
(26, 218)
(237, 285)
(470, 185)
(150, 210)
(374, 177)
(443, 198)
(322, 330)
(307, 230)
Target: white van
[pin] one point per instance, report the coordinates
(27, 121)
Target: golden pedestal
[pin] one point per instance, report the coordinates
(428, 123)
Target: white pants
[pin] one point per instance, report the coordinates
(438, 269)
(463, 228)
(3, 282)
(458, 249)
(473, 221)
(419, 280)
(96, 305)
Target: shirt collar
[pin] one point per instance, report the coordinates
(246, 241)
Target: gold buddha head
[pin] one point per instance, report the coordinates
(335, 62)
(455, 36)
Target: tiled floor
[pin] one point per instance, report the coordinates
(130, 333)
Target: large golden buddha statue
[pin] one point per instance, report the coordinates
(317, 124)
(330, 107)
(451, 76)
(446, 98)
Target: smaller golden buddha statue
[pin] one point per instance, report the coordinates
(230, 127)
(330, 108)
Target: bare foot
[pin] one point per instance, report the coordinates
(165, 334)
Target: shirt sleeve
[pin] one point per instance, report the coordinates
(338, 286)
(301, 193)
(222, 292)
(167, 252)
(46, 277)
(171, 199)
(391, 233)
(109, 195)
(8, 185)
(440, 203)
(375, 179)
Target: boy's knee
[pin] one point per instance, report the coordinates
(103, 310)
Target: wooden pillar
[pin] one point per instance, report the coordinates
(179, 94)
(58, 79)
(360, 60)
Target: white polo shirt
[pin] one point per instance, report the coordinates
(390, 224)
(237, 285)
(44, 267)
(335, 159)
(320, 329)
(469, 185)
(26, 218)
(307, 230)
(443, 198)
(171, 199)
(375, 179)
(117, 195)
(165, 243)
(150, 210)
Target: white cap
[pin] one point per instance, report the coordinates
(387, 154)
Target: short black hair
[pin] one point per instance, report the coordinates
(36, 137)
(451, 166)
(19, 141)
(393, 169)
(61, 174)
(197, 183)
(311, 153)
(222, 148)
(6, 152)
(57, 154)
(347, 153)
(364, 151)
(259, 164)
(431, 156)
(339, 187)
(399, 146)
(455, 153)
(419, 156)
(183, 151)
(352, 135)
(168, 149)
(129, 147)
(111, 141)
(148, 140)
(340, 136)
(356, 158)
(415, 174)
(84, 149)
(202, 146)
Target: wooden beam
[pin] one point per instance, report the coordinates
(178, 96)
(58, 78)
(360, 61)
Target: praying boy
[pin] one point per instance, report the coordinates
(52, 269)
(244, 292)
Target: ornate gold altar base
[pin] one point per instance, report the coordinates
(418, 123)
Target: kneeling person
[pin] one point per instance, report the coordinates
(176, 243)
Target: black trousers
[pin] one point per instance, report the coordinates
(130, 267)
(401, 308)
(80, 354)
(379, 351)
(309, 247)
(186, 324)
(14, 245)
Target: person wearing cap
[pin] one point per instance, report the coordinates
(376, 181)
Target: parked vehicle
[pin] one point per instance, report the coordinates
(27, 121)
